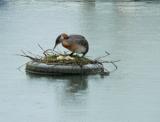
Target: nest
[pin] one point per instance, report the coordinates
(53, 63)
(66, 59)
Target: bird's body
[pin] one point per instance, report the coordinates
(74, 43)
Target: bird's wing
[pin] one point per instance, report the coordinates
(77, 39)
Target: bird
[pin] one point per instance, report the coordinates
(75, 43)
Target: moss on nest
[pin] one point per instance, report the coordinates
(66, 59)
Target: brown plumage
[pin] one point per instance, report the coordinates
(74, 43)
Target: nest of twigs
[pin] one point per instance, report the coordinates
(51, 57)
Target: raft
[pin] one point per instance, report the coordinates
(64, 69)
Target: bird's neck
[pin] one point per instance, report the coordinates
(65, 43)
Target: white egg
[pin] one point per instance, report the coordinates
(60, 57)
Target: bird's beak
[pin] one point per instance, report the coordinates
(57, 41)
(54, 46)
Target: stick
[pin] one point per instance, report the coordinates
(40, 47)
(107, 54)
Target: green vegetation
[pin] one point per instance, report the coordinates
(66, 59)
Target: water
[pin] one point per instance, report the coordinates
(129, 30)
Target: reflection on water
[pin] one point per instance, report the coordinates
(73, 83)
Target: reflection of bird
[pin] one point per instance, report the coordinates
(74, 43)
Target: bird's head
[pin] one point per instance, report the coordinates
(60, 38)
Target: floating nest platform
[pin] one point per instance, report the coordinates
(64, 65)
(64, 69)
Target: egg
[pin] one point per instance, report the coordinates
(69, 58)
(60, 57)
